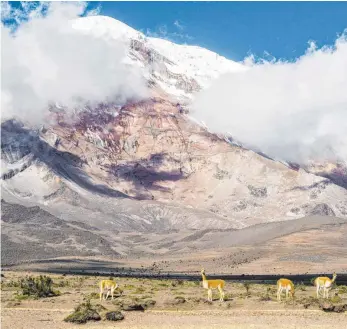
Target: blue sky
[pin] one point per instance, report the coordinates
(234, 29)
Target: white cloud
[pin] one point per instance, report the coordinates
(46, 60)
(163, 33)
(294, 111)
(178, 25)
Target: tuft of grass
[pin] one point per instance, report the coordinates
(139, 290)
(342, 289)
(63, 283)
(12, 284)
(228, 296)
(266, 297)
(163, 284)
(336, 299)
(22, 297)
(247, 286)
(83, 313)
(301, 286)
(93, 295)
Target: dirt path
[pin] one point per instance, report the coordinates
(21, 318)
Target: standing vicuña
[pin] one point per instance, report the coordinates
(108, 285)
(325, 283)
(287, 285)
(212, 284)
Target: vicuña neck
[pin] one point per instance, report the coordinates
(203, 276)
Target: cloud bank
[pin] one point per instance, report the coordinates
(294, 111)
(44, 60)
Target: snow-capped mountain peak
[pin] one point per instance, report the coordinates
(179, 70)
(105, 26)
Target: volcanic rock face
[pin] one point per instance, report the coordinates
(151, 151)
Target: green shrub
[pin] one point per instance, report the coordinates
(83, 313)
(39, 287)
(336, 299)
(342, 289)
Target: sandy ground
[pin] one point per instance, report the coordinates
(238, 311)
(13, 318)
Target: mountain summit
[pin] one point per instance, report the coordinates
(178, 70)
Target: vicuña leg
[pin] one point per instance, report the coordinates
(280, 293)
(318, 291)
(327, 293)
(209, 295)
(108, 293)
(221, 293)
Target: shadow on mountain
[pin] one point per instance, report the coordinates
(321, 184)
(66, 265)
(336, 178)
(17, 142)
(142, 177)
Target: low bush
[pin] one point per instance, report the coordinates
(83, 313)
(39, 287)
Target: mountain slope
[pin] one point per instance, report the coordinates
(150, 151)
